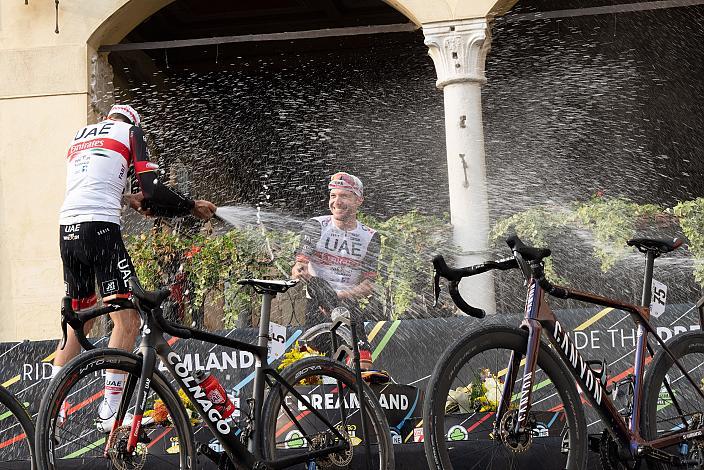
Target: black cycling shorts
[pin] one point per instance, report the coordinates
(94, 251)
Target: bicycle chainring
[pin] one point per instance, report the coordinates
(608, 453)
(117, 450)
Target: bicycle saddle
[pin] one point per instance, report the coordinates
(528, 253)
(661, 246)
(269, 286)
(150, 299)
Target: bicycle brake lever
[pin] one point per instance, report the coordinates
(436, 288)
(65, 306)
(62, 345)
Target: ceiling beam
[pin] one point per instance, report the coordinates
(604, 10)
(289, 36)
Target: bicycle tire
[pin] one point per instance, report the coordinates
(658, 410)
(319, 335)
(436, 400)
(307, 369)
(80, 383)
(9, 401)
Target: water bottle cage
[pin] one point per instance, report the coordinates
(618, 388)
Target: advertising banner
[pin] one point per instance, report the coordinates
(409, 350)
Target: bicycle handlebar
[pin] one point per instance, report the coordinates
(455, 275)
(539, 276)
(153, 301)
(78, 320)
(170, 328)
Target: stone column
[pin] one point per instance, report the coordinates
(459, 49)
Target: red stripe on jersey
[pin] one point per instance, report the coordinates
(327, 258)
(107, 144)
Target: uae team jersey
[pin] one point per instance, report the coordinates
(97, 164)
(344, 258)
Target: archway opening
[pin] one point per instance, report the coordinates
(261, 123)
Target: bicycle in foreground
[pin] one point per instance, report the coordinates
(16, 433)
(311, 415)
(510, 396)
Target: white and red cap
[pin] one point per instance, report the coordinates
(127, 111)
(346, 181)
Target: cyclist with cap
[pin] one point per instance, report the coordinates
(344, 252)
(98, 160)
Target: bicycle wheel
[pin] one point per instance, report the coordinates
(460, 405)
(67, 436)
(318, 337)
(327, 384)
(671, 403)
(16, 433)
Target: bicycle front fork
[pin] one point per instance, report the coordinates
(531, 360)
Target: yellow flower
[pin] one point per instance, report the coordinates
(186, 401)
(297, 353)
(493, 390)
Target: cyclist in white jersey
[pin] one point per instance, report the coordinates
(92, 250)
(344, 252)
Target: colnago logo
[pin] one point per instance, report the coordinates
(189, 382)
(575, 359)
(525, 389)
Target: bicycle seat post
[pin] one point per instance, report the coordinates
(262, 341)
(265, 319)
(648, 279)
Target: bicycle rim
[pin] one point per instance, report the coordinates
(319, 338)
(672, 403)
(461, 403)
(16, 433)
(68, 436)
(331, 389)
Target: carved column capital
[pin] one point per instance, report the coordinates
(458, 49)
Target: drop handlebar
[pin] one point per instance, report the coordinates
(455, 275)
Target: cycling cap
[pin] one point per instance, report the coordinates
(127, 111)
(342, 180)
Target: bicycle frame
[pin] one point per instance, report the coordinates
(540, 319)
(154, 345)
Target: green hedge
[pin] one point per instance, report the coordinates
(214, 263)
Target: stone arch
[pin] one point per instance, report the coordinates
(119, 22)
(115, 23)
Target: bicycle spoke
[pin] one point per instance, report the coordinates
(75, 438)
(465, 426)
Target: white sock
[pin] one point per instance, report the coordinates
(114, 386)
(54, 371)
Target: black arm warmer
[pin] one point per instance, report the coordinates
(159, 198)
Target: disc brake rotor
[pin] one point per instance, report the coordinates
(344, 457)
(117, 451)
(338, 459)
(515, 442)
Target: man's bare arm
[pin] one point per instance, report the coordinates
(363, 289)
